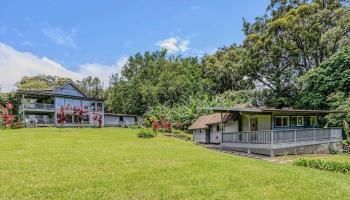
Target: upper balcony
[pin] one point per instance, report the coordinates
(38, 107)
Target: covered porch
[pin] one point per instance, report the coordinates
(270, 131)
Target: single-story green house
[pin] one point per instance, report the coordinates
(268, 131)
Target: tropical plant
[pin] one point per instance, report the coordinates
(80, 113)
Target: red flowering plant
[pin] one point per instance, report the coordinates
(156, 125)
(79, 114)
(6, 116)
(165, 125)
(97, 118)
(62, 117)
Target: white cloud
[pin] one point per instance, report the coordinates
(183, 45)
(103, 72)
(59, 36)
(174, 45)
(28, 43)
(15, 64)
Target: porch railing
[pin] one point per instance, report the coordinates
(282, 136)
(45, 121)
(38, 106)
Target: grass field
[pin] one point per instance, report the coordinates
(113, 163)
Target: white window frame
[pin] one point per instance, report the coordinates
(297, 117)
(315, 117)
(281, 116)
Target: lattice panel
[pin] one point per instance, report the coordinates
(239, 149)
(260, 151)
(286, 151)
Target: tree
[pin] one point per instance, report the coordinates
(224, 71)
(330, 77)
(297, 36)
(155, 78)
(41, 82)
(91, 86)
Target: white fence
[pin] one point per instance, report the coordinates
(282, 136)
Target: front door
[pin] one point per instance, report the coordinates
(253, 124)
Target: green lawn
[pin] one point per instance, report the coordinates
(113, 163)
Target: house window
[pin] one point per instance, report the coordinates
(219, 128)
(297, 120)
(86, 105)
(92, 106)
(59, 103)
(86, 119)
(99, 106)
(310, 120)
(69, 118)
(281, 121)
(121, 119)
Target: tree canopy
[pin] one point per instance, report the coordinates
(295, 55)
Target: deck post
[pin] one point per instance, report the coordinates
(271, 137)
(222, 132)
(271, 151)
(314, 134)
(295, 136)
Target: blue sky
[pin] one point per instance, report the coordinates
(77, 38)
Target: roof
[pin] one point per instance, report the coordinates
(51, 92)
(118, 114)
(263, 109)
(205, 120)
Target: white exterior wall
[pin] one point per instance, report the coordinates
(231, 126)
(112, 120)
(199, 135)
(129, 120)
(215, 136)
(264, 122)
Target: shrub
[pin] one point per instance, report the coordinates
(136, 126)
(179, 134)
(146, 133)
(324, 165)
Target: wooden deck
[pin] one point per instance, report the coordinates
(287, 141)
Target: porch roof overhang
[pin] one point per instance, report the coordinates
(259, 110)
(48, 93)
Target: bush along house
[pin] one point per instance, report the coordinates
(64, 106)
(267, 131)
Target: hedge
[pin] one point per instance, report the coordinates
(331, 166)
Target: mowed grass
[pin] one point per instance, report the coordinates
(113, 163)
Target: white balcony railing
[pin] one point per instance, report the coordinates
(38, 106)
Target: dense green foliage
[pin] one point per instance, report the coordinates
(154, 78)
(282, 51)
(41, 82)
(332, 166)
(296, 55)
(146, 133)
(112, 163)
(328, 86)
(91, 86)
